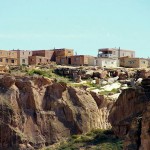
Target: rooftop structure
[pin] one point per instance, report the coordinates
(115, 53)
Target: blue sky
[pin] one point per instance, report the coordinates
(84, 25)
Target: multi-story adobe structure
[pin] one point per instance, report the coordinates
(63, 56)
(133, 62)
(41, 57)
(115, 53)
(8, 57)
(50, 55)
(22, 56)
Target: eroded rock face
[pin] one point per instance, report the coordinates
(36, 112)
(130, 117)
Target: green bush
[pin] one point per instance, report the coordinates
(40, 72)
(96, 139)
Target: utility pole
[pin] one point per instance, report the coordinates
(119, 52)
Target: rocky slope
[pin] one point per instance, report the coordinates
(36, 112)
(130, 117)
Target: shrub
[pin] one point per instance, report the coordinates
(39, 72)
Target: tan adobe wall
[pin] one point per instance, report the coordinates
(36, 60)
(22, 56)
(24, 53)
(91, 61)
(144, 63)
(79, 60)
(8, 54)
(45, 53)
(50, 54)
(69, 52)
(127, 53)
(8, 61)
(63, 60)
(63, 52)
(133, 62)
(38, 53)
(8, 57)
(129, 62)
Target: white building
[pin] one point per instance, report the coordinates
(107, 62)
(115, 53)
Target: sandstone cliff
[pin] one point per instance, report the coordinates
(36, 112)
(130, 117)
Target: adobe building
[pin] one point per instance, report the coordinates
(63, 56)
(107, 62)
(133, 62)
(22, 56)
(63, 52)
(63, 60)
(45, 53)
(115, 53)
(38, 60)
(82, 60)
(76, 60)
(8, 57)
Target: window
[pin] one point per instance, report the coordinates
(76, 59)
(23, 53)
(12, 61)
(47, 60)
(6, 60)
(40, 60)
(23, 61)
(1, 60)
(63, 60)
(131, 62)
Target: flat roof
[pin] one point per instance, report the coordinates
(114, 49)
(107, 49)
